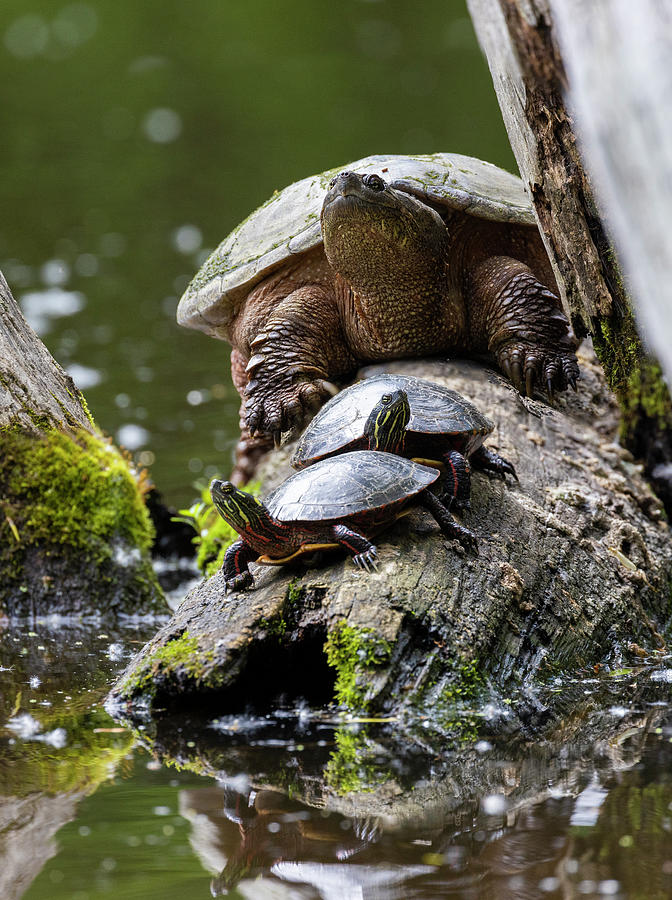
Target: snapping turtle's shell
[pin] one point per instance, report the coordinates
(362, 484)
(435, 410)
(288, 224)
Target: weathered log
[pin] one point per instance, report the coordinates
(74, 532)
(572, 560)
(520, 40)
(618, 56)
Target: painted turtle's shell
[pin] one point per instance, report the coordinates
(358, 484)
(435, 410)
(288, 224)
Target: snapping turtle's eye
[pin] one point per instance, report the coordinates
(375, 182)
(333, 181)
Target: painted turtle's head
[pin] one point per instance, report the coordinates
(241, 510)
(386, 426)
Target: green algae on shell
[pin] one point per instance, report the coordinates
(288, 223)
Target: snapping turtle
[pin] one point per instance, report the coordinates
(434, 423)
(445, 258)
(337, 502)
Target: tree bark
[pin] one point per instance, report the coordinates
(74, 532)
(34, 390)
(572, 559)
(618, 60)
(521, 41)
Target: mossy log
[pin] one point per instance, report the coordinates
(527, 44)
(74, 531)
(574, 563)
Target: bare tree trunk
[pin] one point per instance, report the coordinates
(520, 40)
(618, 59)
(74, 532)
(34, 390)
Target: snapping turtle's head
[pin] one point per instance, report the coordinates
(373, 232)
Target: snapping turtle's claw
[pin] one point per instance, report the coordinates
(529, 381)
(570, 370)
(542, 368)
(282, 402)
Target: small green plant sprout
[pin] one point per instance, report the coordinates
(213, 535)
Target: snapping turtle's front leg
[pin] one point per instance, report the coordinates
(249, 449)
(524, 325)
(301, 347)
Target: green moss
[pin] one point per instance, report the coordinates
(181, 656)
(275, 626)
(635, 378)
(74, 494)
(351, 651)
(449, 698)
(70, 490)
(352, 767)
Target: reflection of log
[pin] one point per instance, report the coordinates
(27, 829)
(503, 807)
(74, 533)
(520, 39)
(572, 559)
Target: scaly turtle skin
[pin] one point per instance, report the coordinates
(439, 424)
(342, 501)
(446, 258)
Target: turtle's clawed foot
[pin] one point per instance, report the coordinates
(494, 465)
(239, 582)
(466, 538)
(538, 368)
(283, 402)
(367, 560)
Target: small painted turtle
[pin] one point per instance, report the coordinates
(339, 501)
(438, 425)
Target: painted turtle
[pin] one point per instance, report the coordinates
(337, 502)
(438, 425)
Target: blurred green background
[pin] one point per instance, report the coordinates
(136, 135)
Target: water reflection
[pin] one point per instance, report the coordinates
(297, 802)
(593, 825)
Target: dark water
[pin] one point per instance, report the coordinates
(134, 137)
(305, 804)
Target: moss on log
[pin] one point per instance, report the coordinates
(574, 561)
(74, 531)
